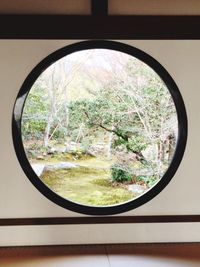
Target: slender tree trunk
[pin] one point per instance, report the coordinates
(110, 137)
(161, 151)
(51, 92)
(80, 133)
(47, 130)
(172, 144)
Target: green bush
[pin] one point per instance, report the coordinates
(148, 180)
(120, 173)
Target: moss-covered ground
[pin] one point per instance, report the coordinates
(88, 184)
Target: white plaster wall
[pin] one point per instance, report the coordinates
(19, 198)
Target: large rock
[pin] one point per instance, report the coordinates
(40, 168)
(60, 166)
(137, 189)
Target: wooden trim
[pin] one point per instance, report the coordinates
(99, 7)
(100, 220)
(99, 27)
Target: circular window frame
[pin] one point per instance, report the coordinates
(181, 117)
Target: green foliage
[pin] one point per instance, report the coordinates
(33, 129)
(35, 150)
(119, 142)
(137, 143)
(59, 134)
(121, 105)
(148, 180)
(120, 173)
(35, 113)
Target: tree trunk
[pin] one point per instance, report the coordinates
(171, 148)
(161, 151)
(47, 130)
(110, 137)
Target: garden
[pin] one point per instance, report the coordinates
(99, 127)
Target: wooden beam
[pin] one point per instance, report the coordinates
(99, 27)
(100, 220)
(99, 7)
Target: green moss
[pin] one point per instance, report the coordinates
(86, 185)
(102, 182)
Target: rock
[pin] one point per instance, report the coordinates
(38, 168)
(51, 151)
(137, 188)
(60, 165)
(40, 157)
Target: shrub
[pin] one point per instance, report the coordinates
(148, 180)
(120, 173)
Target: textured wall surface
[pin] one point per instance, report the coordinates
(19, 198)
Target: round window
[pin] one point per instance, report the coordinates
(99, 127)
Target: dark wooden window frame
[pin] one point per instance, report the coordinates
(99, 26)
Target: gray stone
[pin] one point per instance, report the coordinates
(137, 189)
(59, 166)
(38, 168)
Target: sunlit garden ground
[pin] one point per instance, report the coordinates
(89, 183)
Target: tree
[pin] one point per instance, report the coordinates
(108, 95)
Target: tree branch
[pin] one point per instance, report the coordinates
(139, 155)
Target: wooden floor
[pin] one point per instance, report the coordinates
(151, 255)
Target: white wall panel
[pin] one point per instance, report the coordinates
(99, 234)
(19, 198)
